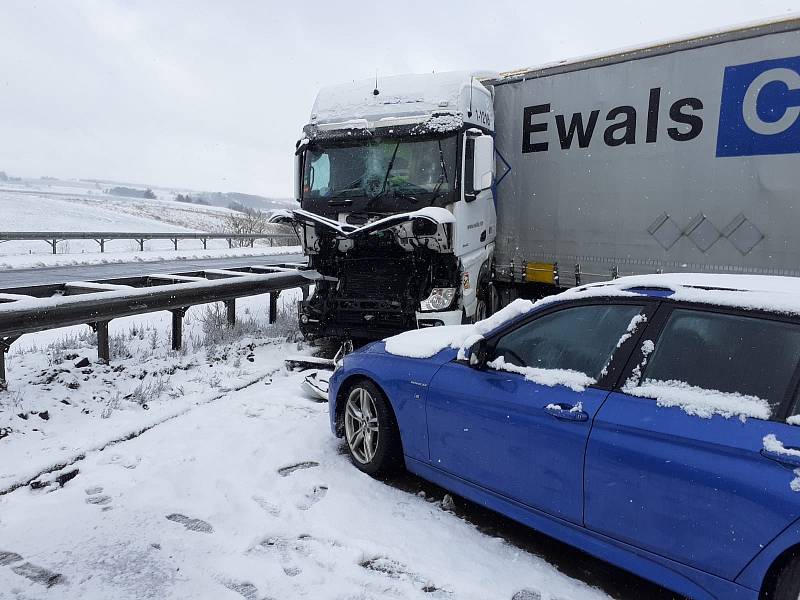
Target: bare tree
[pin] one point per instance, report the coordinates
(249, 221)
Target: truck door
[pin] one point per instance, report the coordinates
(475, 216)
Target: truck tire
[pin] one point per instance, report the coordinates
(787, 586)
(370, 430)
(487, 301)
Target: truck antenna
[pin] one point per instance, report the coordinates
(471, 79)
(375, 92)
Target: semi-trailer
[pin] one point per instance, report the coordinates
(435, 199)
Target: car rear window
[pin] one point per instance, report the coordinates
(732, 354)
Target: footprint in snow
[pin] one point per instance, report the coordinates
(268, 507)
(527, 595)
(282, 546)
(395, 570)
(191, 524)
(7, 558)
(245, 589)
(309, 499)
(289, 469)
(30, 571)
(290, 552)
(96, 496)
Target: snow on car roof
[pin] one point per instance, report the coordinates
(752, 292)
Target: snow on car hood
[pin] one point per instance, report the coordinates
(752, 292)
(424, 343)
(433, 214)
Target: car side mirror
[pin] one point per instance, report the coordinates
(476, 355)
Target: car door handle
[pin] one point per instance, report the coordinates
(566, 412)
(787, 459)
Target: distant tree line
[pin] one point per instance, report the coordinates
(130, 192)
(189, 200)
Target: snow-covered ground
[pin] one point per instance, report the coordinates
(236, 488)
(61, 208)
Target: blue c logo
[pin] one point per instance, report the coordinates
(760, 109)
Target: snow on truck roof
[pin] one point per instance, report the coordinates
(414, 95)
(752, 292)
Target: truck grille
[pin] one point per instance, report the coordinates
(375, 278)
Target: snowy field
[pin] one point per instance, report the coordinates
(80, 208)
(207, 473)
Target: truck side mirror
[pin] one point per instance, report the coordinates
(483, 162)
(298, 164)
(299, 153)
(478, 165)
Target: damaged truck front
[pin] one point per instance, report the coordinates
(397, 215)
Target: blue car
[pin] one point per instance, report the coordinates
(651, 421)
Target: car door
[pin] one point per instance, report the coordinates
(677, 463)
(519, 426)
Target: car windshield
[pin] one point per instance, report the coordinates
(409, 172)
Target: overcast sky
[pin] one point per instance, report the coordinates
(211, 95)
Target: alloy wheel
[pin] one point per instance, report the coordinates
(361, 425)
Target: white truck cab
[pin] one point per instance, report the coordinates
(394, 179)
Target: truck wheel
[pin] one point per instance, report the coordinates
(486, 302)
(787, 586)
(481, 311)
(373, 439)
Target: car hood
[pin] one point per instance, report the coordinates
(440, 358)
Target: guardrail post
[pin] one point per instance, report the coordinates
(273, 306)
(230, 309)
(140, 241)
(205, 243)
(102, 243)
(177, 327)
(103, 350)
(175, 243)
(5, 346)
(230, 243)
(54, 244)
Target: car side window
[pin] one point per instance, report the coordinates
(581, 339)
(724, 359)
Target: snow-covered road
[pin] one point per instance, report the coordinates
(249, 496)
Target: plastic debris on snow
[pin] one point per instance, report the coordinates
(699, 401)
(574, 380)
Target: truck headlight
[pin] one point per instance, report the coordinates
(440, 299)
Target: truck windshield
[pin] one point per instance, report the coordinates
(385, 171)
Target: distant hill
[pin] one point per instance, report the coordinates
(226, 199)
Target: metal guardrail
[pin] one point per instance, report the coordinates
(101, 237)
(96, 303)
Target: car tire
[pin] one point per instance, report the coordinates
(370, 430)
(787, 585)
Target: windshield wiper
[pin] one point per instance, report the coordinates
(398, 194)
(442, 176)
(348, 187)
(386, 176)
